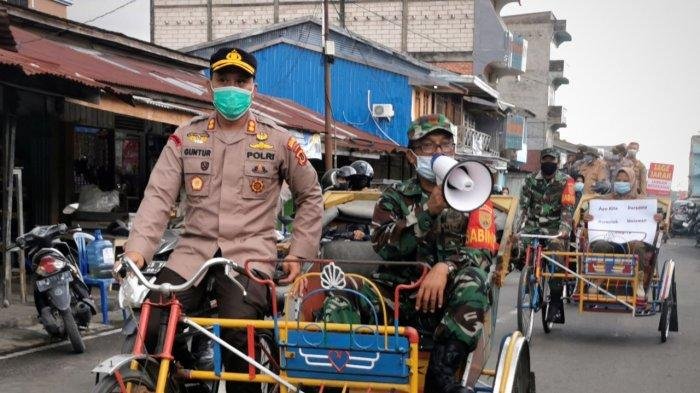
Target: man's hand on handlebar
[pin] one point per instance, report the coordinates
(137, 258)
(291, 267)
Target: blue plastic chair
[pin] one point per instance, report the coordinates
(81, 240)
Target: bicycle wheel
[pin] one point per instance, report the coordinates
(546, 326)
(526, 308)
(268, 358)
(138, 381)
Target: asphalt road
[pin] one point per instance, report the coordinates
(591, 353)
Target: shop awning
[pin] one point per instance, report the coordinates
(149, 89)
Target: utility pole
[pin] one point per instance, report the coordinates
(328, 51)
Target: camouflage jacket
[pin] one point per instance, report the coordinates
(544, 208)
(404, 230)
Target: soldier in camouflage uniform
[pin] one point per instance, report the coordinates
(547, 207)
(412, 222)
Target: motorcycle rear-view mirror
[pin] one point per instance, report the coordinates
(70, 209)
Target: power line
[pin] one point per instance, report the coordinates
(85, 22)
(109, 12)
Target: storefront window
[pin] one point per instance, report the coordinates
(92, 158)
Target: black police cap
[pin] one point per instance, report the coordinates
(233, 57)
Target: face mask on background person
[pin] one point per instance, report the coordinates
(578, 186)
(548, 168)
(632, 153)
(232, 102)
(622, 187)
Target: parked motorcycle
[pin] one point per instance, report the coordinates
(684, 218)
(61, 297)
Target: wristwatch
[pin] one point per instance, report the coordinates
(451, 267)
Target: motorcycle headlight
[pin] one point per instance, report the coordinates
(49, 265)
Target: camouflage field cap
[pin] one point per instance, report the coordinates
(549, 152)
(424, 125)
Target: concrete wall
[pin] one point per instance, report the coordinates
(440, 25)
(532, 91)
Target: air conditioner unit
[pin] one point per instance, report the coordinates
(382, 110)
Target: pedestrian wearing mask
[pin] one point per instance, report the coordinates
(595, 172)
(640, 170)
(578, 187)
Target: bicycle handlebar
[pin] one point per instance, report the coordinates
(536, 236)
(168, 288)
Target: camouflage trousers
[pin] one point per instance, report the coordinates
(461, 317)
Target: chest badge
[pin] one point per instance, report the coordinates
(198, 137)
(257, 186)
(261, 136)
(260, 169)
(197, 183)
(205, 165)
(261, 144)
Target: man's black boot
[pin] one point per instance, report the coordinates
(445, 360)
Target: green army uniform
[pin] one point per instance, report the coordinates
(545, 211)
(404, 230)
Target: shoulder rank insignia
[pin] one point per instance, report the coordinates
(211, 124)
(294, 146)
(262, 146)
(251, 127)
(198, 137)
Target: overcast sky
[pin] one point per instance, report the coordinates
(631, 66)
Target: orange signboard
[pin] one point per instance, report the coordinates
(659, 179)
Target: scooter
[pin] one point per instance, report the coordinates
(61, 297)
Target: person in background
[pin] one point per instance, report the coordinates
(364, 173)
(578, 187)
(595, 173)
(640, 170)
(505, 191)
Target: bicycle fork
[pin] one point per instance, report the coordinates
(167, 353)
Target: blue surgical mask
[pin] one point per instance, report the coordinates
(424, 167)
(622, 187)
(232, 102)
(578, 186)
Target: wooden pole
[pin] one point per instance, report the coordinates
(9, 155)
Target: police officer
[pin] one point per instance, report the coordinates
(547, 207)
(412, 221)
(232, 164)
